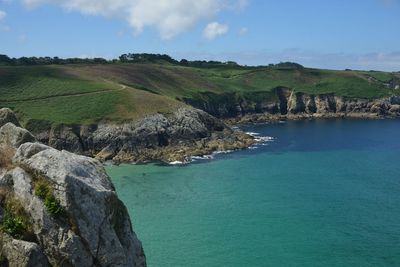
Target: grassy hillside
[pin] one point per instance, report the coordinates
(57, 95)
(75, 94)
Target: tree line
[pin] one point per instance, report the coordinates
(129, 58)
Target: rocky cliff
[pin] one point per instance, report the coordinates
(174, 137)
(58, 208)
(287, 103)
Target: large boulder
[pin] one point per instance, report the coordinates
(94, 228)
(14, 136)
(6, 115)
(22, 253)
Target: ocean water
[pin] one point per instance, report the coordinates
(321, 193)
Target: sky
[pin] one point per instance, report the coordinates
(356, 34)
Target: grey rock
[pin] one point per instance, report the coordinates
(101, 232)
(287, 102)
(7, 115)
(62, 246)
(14, 136)
(394, 100)
(395, 109)
(65, 136)
(22, 253)
(105, 141)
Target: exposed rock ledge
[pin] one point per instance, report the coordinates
(176, 137)
(285, 103)
(59, 209)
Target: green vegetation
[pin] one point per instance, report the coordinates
(13, 224)
(16, 222)
(44, 191)
(137, 85)
(31, 83)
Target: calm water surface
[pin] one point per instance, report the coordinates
(323, 193)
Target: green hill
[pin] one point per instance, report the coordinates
(87, 93)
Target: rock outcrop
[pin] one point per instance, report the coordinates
(61, 209)
(187, 132)
(284, 103)
(6, 115)
(14, 136)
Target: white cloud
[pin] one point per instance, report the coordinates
(243, 30)
(215, 29)
(169, 17)
(2, 15)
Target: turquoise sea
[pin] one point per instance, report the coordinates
(322, 193)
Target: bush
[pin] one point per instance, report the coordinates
(44, 191)
(13, 224)
(15, 221)
(53, 206)
(42, 188)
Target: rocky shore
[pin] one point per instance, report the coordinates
(205, 127)
(271, 118)
(175, 137)
(58, 208)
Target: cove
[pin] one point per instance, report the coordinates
(322, 193)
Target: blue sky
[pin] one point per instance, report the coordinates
(359, 34)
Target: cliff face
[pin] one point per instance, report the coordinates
(59, 209)
(186, 132)
(286, 102)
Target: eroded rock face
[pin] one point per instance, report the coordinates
(92, 227)
(287, 102)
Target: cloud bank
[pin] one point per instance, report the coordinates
(169, 17)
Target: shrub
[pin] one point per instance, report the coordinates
(53, 206)
(42, 188)
(15, 221)
(13, 224)
(44, 191)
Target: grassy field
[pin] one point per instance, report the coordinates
(84, 94)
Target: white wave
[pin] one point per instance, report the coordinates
(264, 139)
(177, 162)
(252, 133)
(205, 157)
(222, 152)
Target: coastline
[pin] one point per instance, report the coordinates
(181, 155)
(274, 118)
(119, 149)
